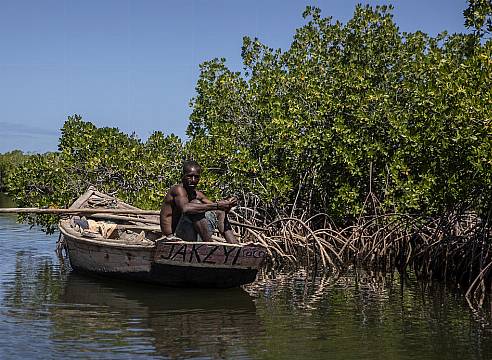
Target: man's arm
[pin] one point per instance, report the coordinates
(224, 205)
(201, 196)
(187, 207)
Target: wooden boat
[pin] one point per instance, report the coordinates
(128, 247)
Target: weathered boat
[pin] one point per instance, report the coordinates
(131, 247)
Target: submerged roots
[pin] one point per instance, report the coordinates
(454, 248)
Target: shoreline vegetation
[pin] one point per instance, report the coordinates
(357, 145)
(8, 162)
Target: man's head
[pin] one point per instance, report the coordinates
(191, 174)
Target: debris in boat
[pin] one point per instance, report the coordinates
(92, 228)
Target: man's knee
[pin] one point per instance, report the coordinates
(196, 217)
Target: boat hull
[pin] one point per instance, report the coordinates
(175, 264)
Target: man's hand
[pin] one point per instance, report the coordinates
(233, 200)
(227, 204)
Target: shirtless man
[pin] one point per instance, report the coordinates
(190, 215)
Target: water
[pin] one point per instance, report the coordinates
(49, 312)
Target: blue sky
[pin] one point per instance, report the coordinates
(134, 64)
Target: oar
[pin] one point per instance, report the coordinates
(78, 211)
(86, 211)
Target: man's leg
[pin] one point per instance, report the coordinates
(200, 224)
(225, 228)
(201, 227)
(185, 229)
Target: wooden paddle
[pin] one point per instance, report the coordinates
(78, 211)
(112, 214)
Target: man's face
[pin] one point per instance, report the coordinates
(191, 177)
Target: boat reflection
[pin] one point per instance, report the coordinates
(138, 318)
(75, 315)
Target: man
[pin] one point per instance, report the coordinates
(190, 215)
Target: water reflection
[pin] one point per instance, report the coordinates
(45, 307)
(47, 311)
(368, 315)
(172, 322)
(97, 316)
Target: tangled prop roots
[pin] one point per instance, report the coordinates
(456, 247)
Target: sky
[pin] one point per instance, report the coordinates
(134, 64)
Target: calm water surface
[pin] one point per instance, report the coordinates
(49, 312)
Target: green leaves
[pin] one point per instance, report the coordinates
(8, 162)
(478, 15)
(347, 110)
(344, 99)
(114, 162)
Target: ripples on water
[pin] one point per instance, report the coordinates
(48, 312)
